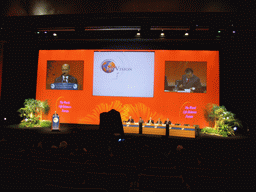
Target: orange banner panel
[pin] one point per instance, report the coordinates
(81, 107)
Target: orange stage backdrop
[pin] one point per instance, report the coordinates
(81, 107)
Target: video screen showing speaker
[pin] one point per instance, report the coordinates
(185, 76)
(65, 75)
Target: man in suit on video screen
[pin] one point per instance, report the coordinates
(190, 81)
(65, 77)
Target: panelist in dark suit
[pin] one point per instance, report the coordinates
(189, 80)
(151, 121)
(159, 121)
(65, 77)
(167, 121)
(130, 120)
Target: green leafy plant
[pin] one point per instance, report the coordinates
(42, 107)
(29, 109)
(209, 130)
(23, 125)
(33, 111)
(45, 123)
(223, 120)
(226, 130)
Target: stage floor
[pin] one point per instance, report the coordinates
(66, 129)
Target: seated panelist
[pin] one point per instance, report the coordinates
(130, 120)
(151, 121)
(159, 121)
(168, 121)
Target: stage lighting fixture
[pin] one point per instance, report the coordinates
(219, 31)
(112, 28)
(186, 34)
(235, 128)
(54, 34)
(137, 35)
(38, 32)
(45, 32)
(5, 118)
(162, 34)
(234, 31)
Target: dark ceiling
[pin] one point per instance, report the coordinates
(56, 7)
(33, 15)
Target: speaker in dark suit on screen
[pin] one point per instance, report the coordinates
(190, 81)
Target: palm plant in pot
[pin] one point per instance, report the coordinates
(222, 120)
(32, 112)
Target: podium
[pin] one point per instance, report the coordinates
(55, 122)
(64, 86)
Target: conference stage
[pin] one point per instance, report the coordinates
(137, 83)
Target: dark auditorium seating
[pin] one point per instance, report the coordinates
(138, 163)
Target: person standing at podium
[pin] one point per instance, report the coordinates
(141, 121)
(65, 77)
(140, 125)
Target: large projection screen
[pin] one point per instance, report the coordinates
(137, 83)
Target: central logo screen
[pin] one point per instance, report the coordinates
(108, 66)
(127, 74)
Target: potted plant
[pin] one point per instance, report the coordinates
(222, 120)
(33, 111)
